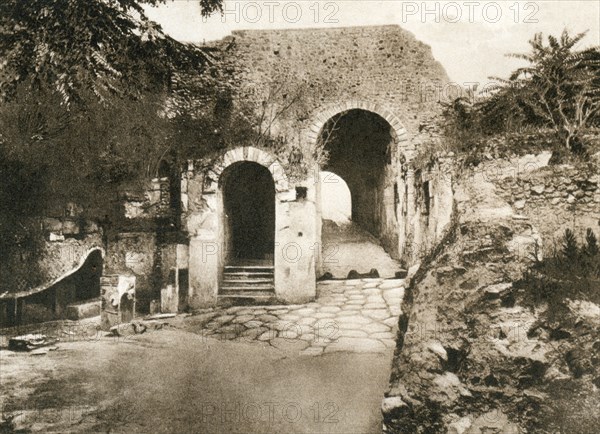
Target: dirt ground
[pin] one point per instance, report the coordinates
(171, 380)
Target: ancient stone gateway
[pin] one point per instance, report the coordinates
(250, 232)
(253, 233)
(250, 220)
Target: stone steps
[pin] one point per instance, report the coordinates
(249, 288)
(246, 276)
(249, 269)
(262, 295)
(248, 281)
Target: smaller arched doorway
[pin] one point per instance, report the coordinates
(249, 212)
(245, 221)
(248, 221)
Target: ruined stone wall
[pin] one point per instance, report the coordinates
(426, 207)
(554, 199)
(471, 353)
(143, 238)
(128, 236)
(149, 201)
(376, 68)
(550, 198)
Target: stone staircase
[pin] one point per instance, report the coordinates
(248, 281)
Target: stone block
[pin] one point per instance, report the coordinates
(54, 237)
(84, 309)
(52, 225)
(538, 189)
(169, 299)
(520, 204)
(70, 227)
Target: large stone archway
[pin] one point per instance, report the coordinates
(381, 188)
(324, 114)
(206, 224)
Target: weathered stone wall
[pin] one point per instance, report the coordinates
(143, 237)
(554, 199)
(149, 201)
(382, 67)
(473, 353)
(551, 198)
(426, 206)
(450, 355)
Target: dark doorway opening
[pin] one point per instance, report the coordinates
(361, 236)
(249, 205)
(87, 279)
(359, 152)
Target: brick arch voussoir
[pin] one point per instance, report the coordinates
(255, 155)
(399, 132)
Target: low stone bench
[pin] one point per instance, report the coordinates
(84, 309)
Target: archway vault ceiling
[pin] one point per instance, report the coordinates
(322, 116)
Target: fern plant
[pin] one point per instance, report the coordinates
(570, 250)
(591, 248)
(591, 254)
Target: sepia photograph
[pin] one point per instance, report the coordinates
(300, 216)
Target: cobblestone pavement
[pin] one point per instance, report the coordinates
(359, 316)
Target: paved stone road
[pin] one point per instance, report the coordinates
(352, 315)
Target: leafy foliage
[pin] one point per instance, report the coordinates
(558, 89)
(74, 151)
(107, 46)
(572, 272)
(83, 86)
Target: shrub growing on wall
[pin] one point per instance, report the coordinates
(572, 272)
(558, 91)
